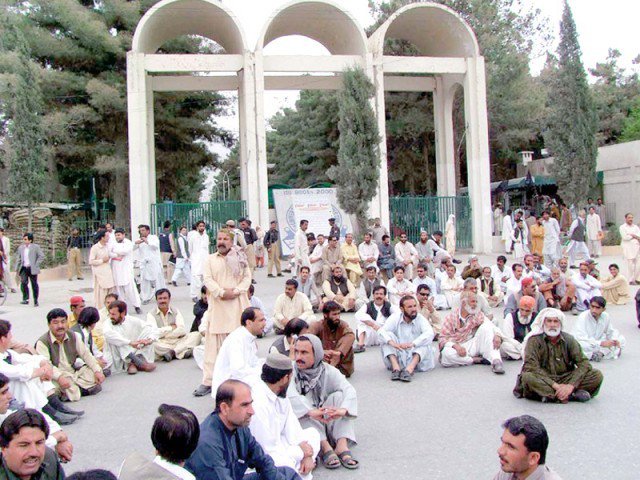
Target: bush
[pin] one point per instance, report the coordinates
(611, 238)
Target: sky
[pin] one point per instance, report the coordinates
(601, 25)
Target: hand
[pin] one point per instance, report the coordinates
(65, 382)
(99, 377)
(307, 465)
(102, 362)
(563, 391)
(460, 350)
(229, 294)
(332, 357)
(335, 412)
(318, 414)
(497, 341)
(307, 451)
(105, 259)
(370, 323)
(610, 343)
(174, 326)
(65, 451)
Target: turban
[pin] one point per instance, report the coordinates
(537, 327)
(76, 300)
(527, 302)
(526, 281)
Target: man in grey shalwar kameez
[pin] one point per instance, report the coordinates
(407, 342)
(323, 399)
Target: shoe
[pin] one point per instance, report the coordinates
(455, 260)
(574, 311)
(80, 278)
(497, 367)
(547, 400)
(24, 302)
(406, 376)
(395, 375)
(597, 357)
(141, 364)
(580, 396)
(138, 310)
(71, 279)
(63, 418)
(68, 411)
(56, 404)
(87, 392)
(269, 275)
(188, 354)
(36, 304)
(253, 282)
(106, 371)
(281, 275)
(131, 369)
(13, 290)
(175, 284)
(202, 390)
(167, 357)
(359, 349)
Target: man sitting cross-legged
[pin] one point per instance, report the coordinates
(322, 398)
(427, 308)
(274, 424)
(407, 338)
(514, 328)
(76, 371)
(368, 284)
(586, 287)
(291, 304)
(595, 333)
(468, 337)
(88, 321)
(337, 338)
(293, 330)
(339, 289)
(399, 286)
(171, 339)
(555, 368)
(559, 291)
(489, 288)
(129, 340)
(371, 317)
(529, 289)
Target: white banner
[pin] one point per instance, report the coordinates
(317, 205)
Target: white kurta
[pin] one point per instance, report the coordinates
(371, 334)
(630, 246)
(315, 259)
(396, 290)
(507, 230)
(301, 249)
(122, 269)
(501, 277)
(418, 332)
(586, 287)
(591, 332)
(594, 228)
(151, 273)
(551, 247)
(237, 359)
(451, 288)
(198, 254)
(368, 250)
(406, 252)
(118, 338)
(30, 391)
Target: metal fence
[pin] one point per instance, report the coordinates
(413, 214)
(214, 214)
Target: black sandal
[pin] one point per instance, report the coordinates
(349, 462)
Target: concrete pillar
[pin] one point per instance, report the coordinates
(445, 146)
(142, 181)
(262, 218)
(380, 204)
(478, 164)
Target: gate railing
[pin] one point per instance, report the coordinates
(413, 214)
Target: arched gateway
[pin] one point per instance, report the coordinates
(449, 54)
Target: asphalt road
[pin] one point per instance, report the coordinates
(446, 424)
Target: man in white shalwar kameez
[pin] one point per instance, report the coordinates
(198, 253)
(407, 342)
(597, 337)
(238, 355)
(406, 256)
(586, 287)
(371, 317)
(399, 286)
(551, 248)
(122, 268)
(275, 426)
(151, 272)
(594, 230)
(507, 230)
(368, 251)
(630, 243)
(301, 247)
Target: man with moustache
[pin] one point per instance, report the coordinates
(337, 338)
(121, 253)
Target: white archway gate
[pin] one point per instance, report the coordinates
(449, 57)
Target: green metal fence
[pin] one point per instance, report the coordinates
(412, 214)
(214, 214)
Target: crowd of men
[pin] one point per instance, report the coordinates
(283, 414)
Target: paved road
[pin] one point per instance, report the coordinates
(443, 425)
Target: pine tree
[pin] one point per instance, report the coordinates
(571, 134)
(357, 173)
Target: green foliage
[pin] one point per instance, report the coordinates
(631, 129)
(571, 136)
(357, 173)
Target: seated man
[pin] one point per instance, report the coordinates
(586, 287)
(368, 284)
(559, 291)
(76, 305)
(501, 273)
(541, 269)
(308, 287)
(24, 453)
(615, 287)
(596, 335)
(30, 380)
(407, 338)
(473, 269)
(439, 301)
(293, 330)
(529, 269)
(451, 285)
(528, 288)
(171, 339)
(488, 289)
(514, 284)
(523, 452)
(104, 311)
(337, 338)
(274, 424)
(427, 308)
(387, 258)
(76, 371)
(371, 317)
(129, 340)
(399, 286)
(368, 251)
(291, 304)
(331, 257)
(555, 368)
(226, 448)
(322, 398)
(199, 309)
(339, 289)
(467, 337)
(238, 356)
(471, 285)
(351, 259)
(514, 328)
(87, 323)
(255, 302)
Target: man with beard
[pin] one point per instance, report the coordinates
(559, 291)
(322, 398)
(407, 338)
(387, 258)
(523, 452)
(274, 424)
(101, 270)
(586, 287)
(427, 307)
(425, 252)
(515, 326)
(122, 267)
(406, 255)
(555, 368)
(337, 338)
(371, 317)
(340, 290)
(227, 278)
(368, 251)
(226, 448)
(468, 338)
(151, 274)
(198, 252)
(528, 288)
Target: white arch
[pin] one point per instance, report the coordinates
(324, 21)
(436, 30)
(169, 19)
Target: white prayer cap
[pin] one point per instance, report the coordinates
(278, 361)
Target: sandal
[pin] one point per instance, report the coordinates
(330, 460)
(348, 462)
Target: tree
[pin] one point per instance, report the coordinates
(357, 173)
(631, 130)
(27, 152)
(571, 134)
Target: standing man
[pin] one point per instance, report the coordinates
(551, 248)
(74, 254)
(271, 242)
(497, 220)
(30, 257)
(167, 249)
(301, 247)
(331, 258)
(250, 238)
(334, 230)
(630, 243)
(578, 236)
(536, 234)
(5, 243)
(406, 256)
(425, 253)
(378, 231)
(198, 253)
(387, 258)
(122, 270)
(183, 264)
(151, 275)
(227, 278)
(594, 233)
(101, 270)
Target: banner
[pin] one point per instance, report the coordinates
(317, 205)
